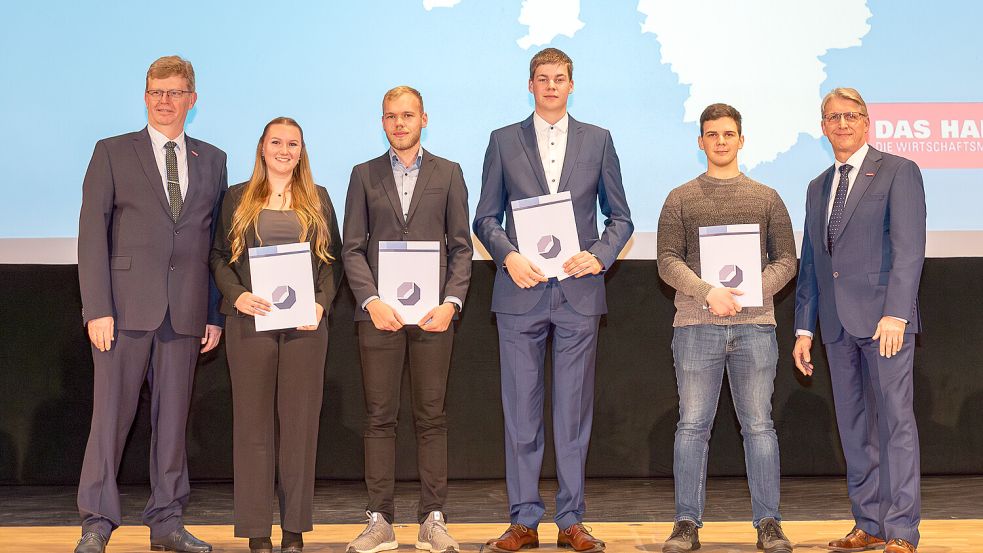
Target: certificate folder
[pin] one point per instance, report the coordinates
(283, 275)
(547, 231)
(409, 277)
(730, 255)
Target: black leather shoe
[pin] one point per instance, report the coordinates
(291, 542)
(91, 542)
(179, 540)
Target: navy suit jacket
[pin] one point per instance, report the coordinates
(877, 258)
(135, 262)
(591, 173)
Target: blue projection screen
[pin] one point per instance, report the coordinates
(643, 69)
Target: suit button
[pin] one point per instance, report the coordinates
(405, 231)
(836, 274)
(177, 232)
(172, 267)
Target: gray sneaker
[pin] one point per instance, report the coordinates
(377, 536)
(433, 535)
(685, 537)
(771, 538)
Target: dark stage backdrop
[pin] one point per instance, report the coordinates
(46, 383)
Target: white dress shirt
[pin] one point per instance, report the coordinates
(552, 142)
(158, 140)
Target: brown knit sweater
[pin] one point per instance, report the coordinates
(707, 201)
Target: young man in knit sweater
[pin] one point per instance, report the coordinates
(713, 332)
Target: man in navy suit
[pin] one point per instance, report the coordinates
(862, 256)
(550, 152)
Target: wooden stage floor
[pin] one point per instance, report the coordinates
(938, 536)
(631, 515)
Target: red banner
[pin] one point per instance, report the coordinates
(935, 136)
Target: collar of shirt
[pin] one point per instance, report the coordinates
(398, 163)
(855, 161)
(542, 126)
(158, 139)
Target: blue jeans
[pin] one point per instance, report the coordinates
(749, 353)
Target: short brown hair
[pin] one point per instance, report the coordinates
(548, 56)
(171, 66)
(398, 91)
(847, 94)
(719, 111)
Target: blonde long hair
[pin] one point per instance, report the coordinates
(305, 201)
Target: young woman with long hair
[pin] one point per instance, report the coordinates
(278, 375)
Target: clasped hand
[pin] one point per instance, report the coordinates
(251, 304)
(721, 301)
(525, 274)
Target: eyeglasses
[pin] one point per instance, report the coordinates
(850, 116)
(172, 94)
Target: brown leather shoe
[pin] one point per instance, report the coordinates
(856, 540)
(515, 538)
(899, 546)
(578, 538)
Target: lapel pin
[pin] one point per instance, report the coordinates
(868, 174)
(194, 153)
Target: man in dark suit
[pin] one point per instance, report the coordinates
(547, 153)
(862, 255)
(148, 203)
(406, 194)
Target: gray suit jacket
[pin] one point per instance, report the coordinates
(591, 172)
(135, 263)
(876, 264)
(438, 211)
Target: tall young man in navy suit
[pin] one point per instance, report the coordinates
(862, 256)
(550, 152)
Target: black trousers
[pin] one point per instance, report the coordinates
(277, 385)
(383, 353)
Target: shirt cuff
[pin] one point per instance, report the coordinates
(800, 332)
(905, 321)
(456, 301)
(366, 302)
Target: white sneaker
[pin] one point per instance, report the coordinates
(377, 536)
(433, 535)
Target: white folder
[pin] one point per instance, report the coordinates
(409, 277)
(547, 231)
(283, 275)
(730, 255)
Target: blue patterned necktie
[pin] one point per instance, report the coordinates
(839, 203)
(173, 184)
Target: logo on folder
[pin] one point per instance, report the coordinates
(408, 293)
(548, 246)
(731, 276)
(284, 297)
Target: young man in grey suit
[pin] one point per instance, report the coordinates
(862, 253)
(148, 203)
(550, 152)
(406, 194)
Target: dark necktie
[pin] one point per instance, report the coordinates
(839, 203)
(173, 185)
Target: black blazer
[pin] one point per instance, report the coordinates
(232, 280)
(438, 211)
